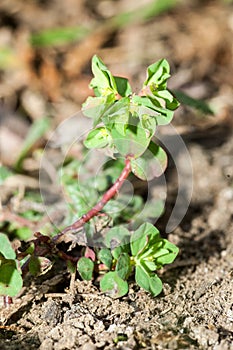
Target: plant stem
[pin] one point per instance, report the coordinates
(111, 192)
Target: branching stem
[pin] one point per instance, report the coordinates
(111, 192)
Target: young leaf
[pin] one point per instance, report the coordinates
(152, 163)
(150, 265)
(148, 281)
(10, 279)
(105, 257)
(103, 82)
(162, 115)
(5, 247)
(140, 238)
(123, 86)
(85, 267)
(171, 251)
(138, 241)
(97, 138)
(113, 285)
(123, 266)
(158, 73)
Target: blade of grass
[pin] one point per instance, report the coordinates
(37, 130)
(66, 35)
(59, 36)
(187, 100)
(143, 13)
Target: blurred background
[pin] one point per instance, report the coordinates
(46, 48)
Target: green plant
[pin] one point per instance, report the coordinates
(144, 253)
(124, 125)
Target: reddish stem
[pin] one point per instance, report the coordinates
(99, 206)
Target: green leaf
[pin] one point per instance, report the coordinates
(113, 285)
(58, 36)
(158, 73)
(138, 241)
(150, 265)
(170, 101)
(130, 139)
(123, 266)
(105, 257)
(150, 282)
(39, 265)
(148, 123)
(117, 238)
(198, 104)
(118, 112)
(96, 107)
(144, 235)
(150, 164)
(36, 131)
(10, 279)
(124, 248)
(162, 115)
(97, 138)
(155, 94)
(170, 253)
(24, 233)
(103, 82)
(5, 247)
(123, 86)
(85, 267)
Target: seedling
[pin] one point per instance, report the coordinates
(124, 124)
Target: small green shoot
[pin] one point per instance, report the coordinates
(146, 253)
(36, 131)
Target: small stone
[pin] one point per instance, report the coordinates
(88, 346)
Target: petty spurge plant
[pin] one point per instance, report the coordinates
(124, 125)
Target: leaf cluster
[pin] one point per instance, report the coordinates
(125, 122)
(140, 254)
